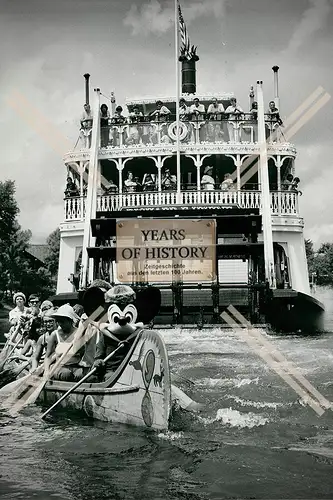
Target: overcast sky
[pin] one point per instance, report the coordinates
(128, 47)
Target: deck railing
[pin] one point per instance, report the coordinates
(161, 132)
(282, 202)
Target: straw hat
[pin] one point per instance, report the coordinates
(49, 313)
(208, 169)
(19, 294)
(46, 303)
(66, 311)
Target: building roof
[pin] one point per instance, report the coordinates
(38, 251)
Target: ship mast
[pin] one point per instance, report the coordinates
(177, 101)
(91, 199)
(265, 194)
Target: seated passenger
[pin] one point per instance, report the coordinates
(227, 183)
(45, 306)
(19, 310)
(169, 181)
(60, 342)
(111, 188)
(49, 325)
(118, 118)
(207, 181)
(287, 183)
(161, 112)
(130, 183)
(149, 182)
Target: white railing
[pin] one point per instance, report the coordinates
(282, 202)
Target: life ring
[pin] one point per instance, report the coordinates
(172, 131)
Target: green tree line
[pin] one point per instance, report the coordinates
(18, 270)
(320, 262)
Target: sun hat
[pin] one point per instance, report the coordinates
(19, 294)
(46, 303)
(208, 169)
(49, 313)
(66, 311)
(120, 294)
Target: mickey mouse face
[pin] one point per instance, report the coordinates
(127, 316)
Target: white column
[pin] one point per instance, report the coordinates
(265, 194)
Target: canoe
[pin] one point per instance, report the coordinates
(138, 393)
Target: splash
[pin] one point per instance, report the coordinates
(170, 436)
(257, 404)
(235, 418)
(226, 382)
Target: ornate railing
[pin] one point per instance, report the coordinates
(282, 202)
(161, 132)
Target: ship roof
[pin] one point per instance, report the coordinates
(207, 97)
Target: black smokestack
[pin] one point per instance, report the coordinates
(87, 76)
(189, 81)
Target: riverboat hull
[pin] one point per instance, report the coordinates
(295, 312)
(138, 393)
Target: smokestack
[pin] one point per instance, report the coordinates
(87, 76)
(189, 60)
(276, 86)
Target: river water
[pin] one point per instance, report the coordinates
(255, 439)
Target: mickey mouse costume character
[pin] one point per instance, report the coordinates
(127, 314)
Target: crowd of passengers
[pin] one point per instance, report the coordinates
(149, 183)
(195, 112)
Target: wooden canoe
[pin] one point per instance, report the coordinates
(138, 393)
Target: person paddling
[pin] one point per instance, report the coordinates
(59, 343)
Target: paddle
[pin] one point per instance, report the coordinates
(10, 353)
(83, 379)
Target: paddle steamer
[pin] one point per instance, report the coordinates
(261, 266)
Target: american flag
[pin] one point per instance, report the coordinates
(186, 48)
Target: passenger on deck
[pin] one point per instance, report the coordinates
(149, 182)
(169, 181)
(234, 112)
(215, 110)
(273, 113)
(60, 342)
(197, 110)
(105, 120)
(294, 185)
(287, 183)
(86, 126)
(130, 183)
(184, 111)
(207, 181)
(161, 112)
(71, 190)
(135, 131)
(254, 111)
(227, 183)
(118, 118)
(111, 188)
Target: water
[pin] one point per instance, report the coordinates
(255, 439)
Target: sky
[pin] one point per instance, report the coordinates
(128, 47)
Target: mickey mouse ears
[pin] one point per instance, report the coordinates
(147, 301)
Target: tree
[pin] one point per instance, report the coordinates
(53, 250)
(310, 254)
(8, 212)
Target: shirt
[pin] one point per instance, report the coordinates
(207, 182)
(231, 111)
(214, 111)
(198, 111)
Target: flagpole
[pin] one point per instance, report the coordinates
(177, 102)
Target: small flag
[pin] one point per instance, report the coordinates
(186, 50)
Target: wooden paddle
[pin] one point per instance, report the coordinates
(10, 353)
(83, 379)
